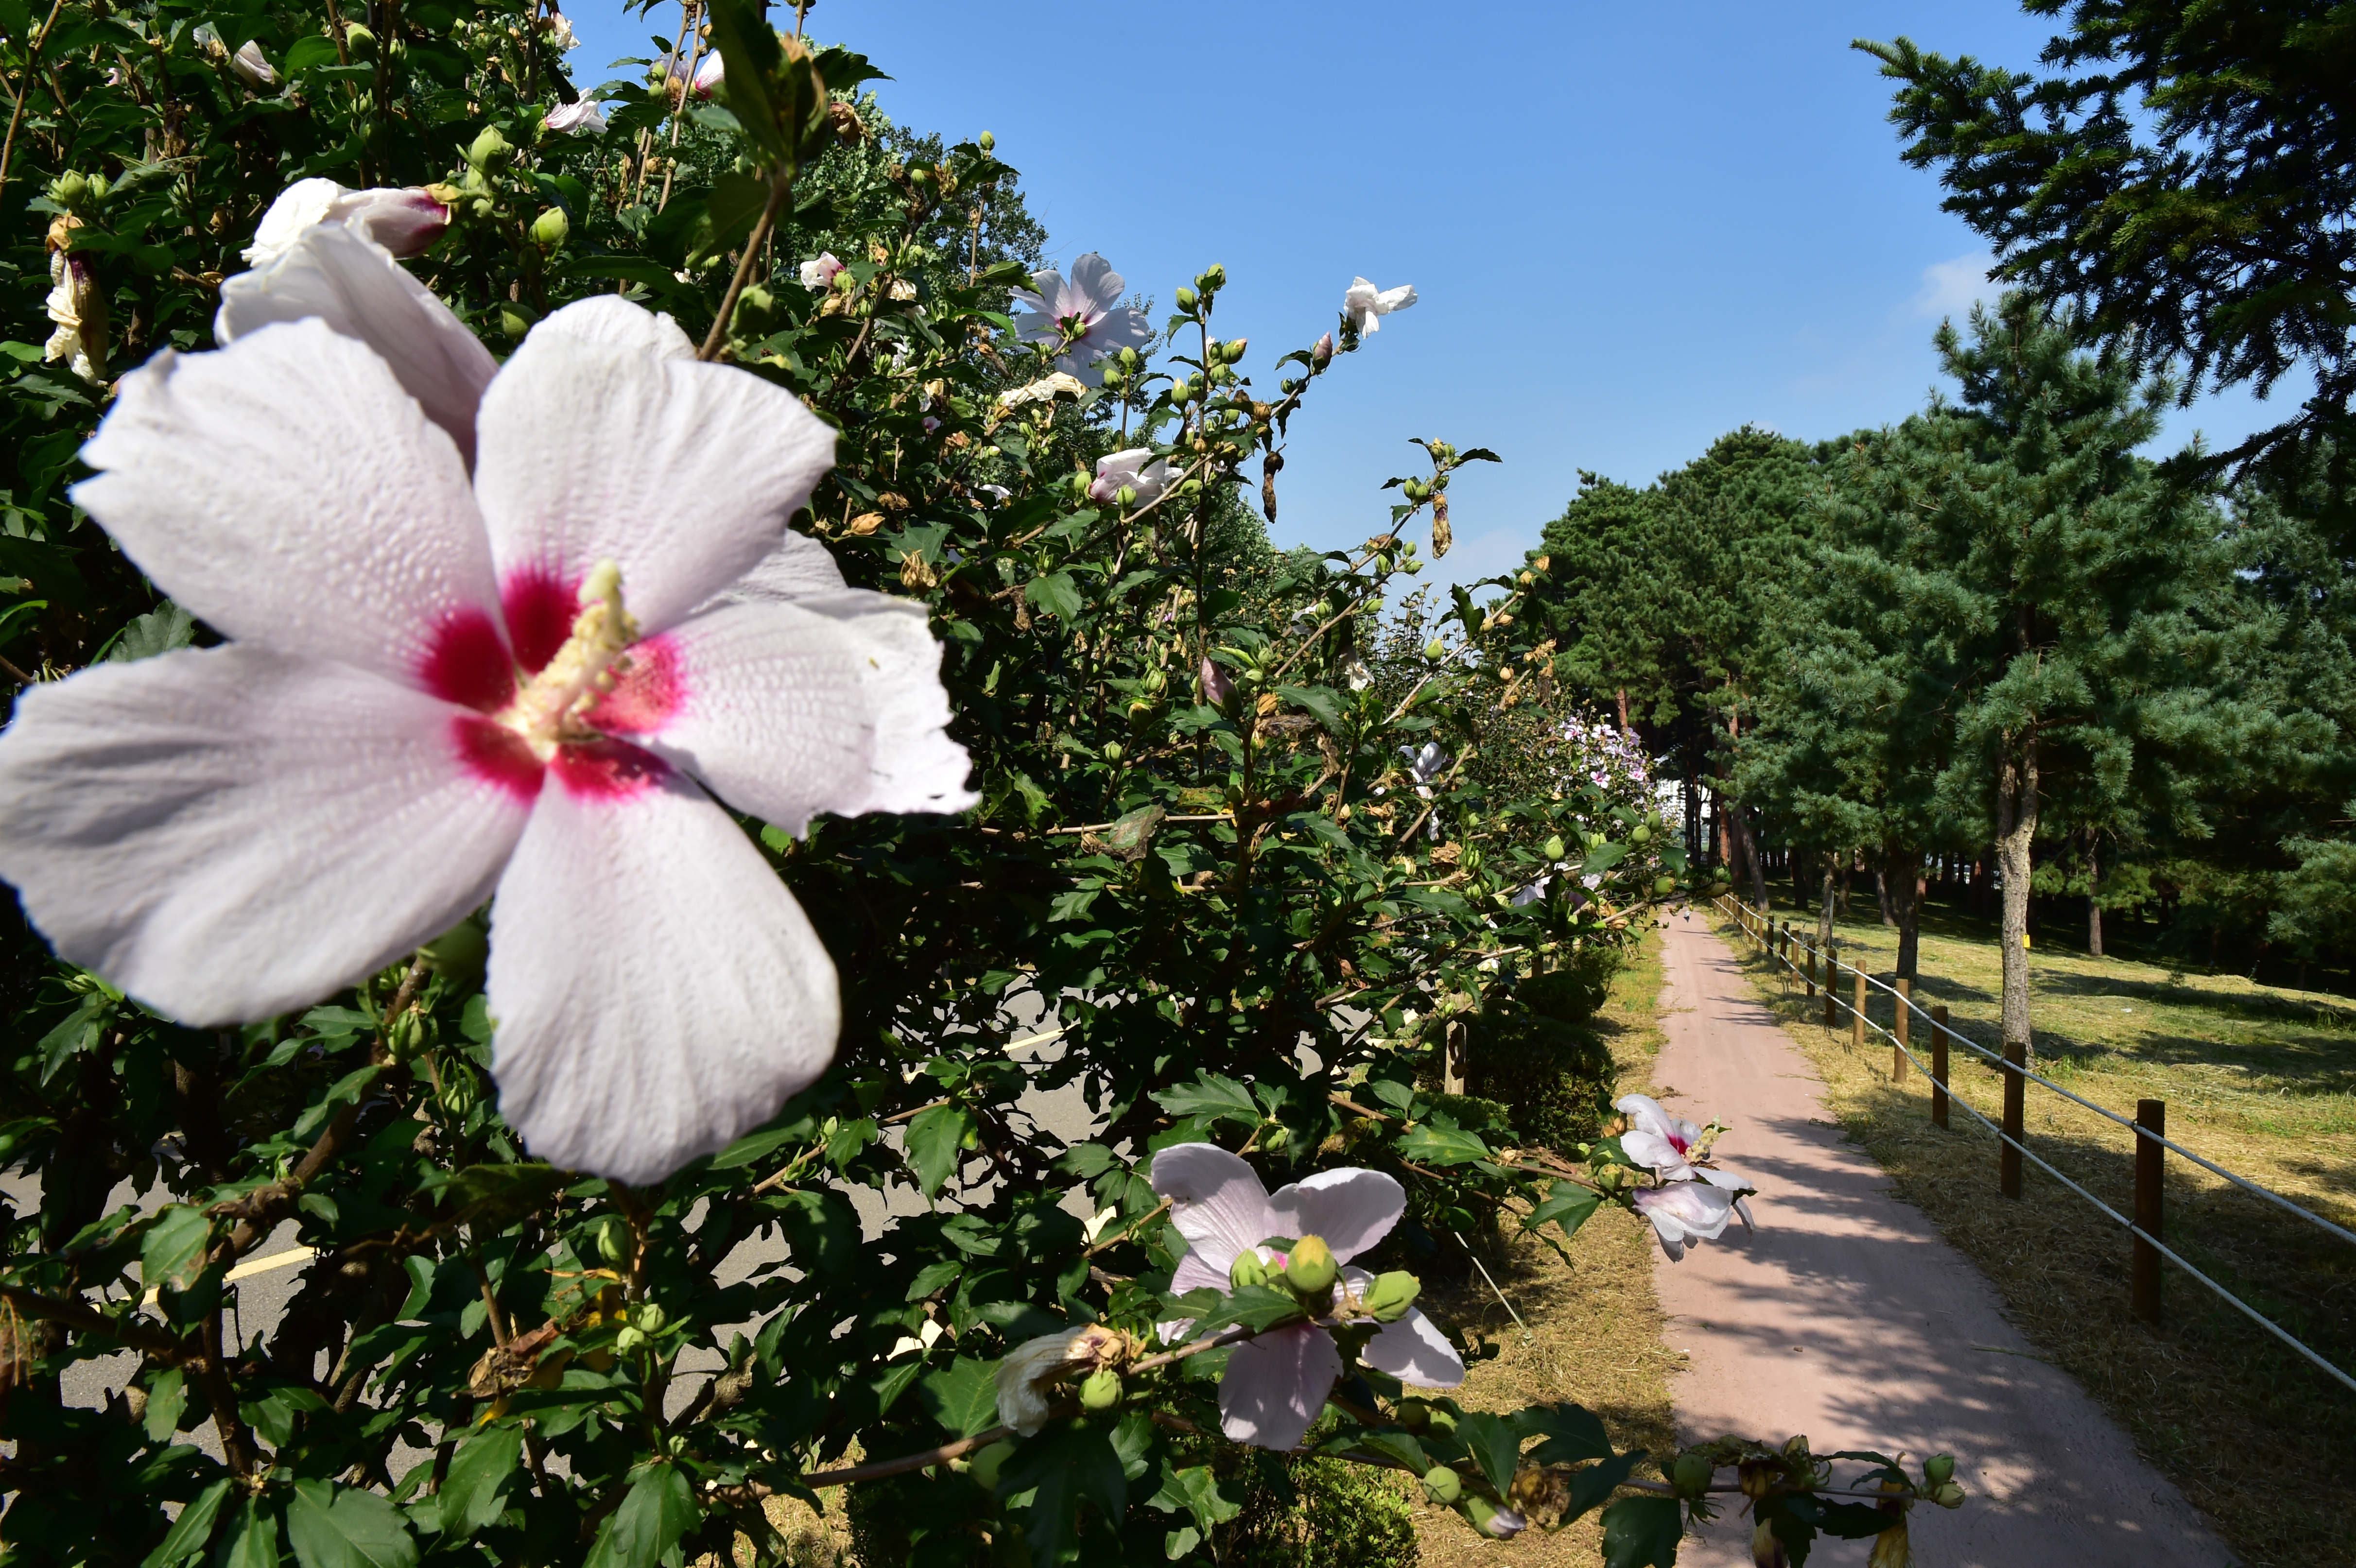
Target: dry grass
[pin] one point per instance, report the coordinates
(2258, 1080)
(1595, 1327)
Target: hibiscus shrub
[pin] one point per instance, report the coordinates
(982, 1089)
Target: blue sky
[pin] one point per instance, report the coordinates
(1632, 227)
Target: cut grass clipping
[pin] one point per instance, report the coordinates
(2261, 1080)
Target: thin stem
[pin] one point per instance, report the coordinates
(16, 114)
(781, 184)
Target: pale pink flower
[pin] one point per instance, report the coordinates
(708, 71)
(1137, 469)
(442, 687)
(253, 66)
(818, 271)
(1685, 1211)
(582, 117)
(1216, 685)
(1365, 305)
(403, 220)
(1276, 1383)
(1083, 320)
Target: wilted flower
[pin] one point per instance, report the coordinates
(1366, 306)
(1217, 687)
(1047, 390)
(1355, 675)
(1083, 320)
(708, 72)
(582, 117)
(439, 688)
(818, 271)
(1028, 1377)
(253, 66)
(1426, 763)
(404, 221)
(77, 314)
(559, 31)
(1685, 1211)
(1276, 1383)
(1137, 469)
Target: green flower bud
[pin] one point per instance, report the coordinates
(406, 1036)
(1310, 1269)
(459, 955)
(650, 1319)
(1214, 277)
(1939, 1469)
(1663, 885)
(986, 1463)
(99, 188)
(1640, 834)
(1111, 751)
(1444, 1485)
(628, 1340)
(1691, 1473)
(614, 1241)
(1594, 840)
(1553, 848)
(1126, 496)
(550, 229)
(1435, 649)
(1185, 298)
(986, 141)
(1247, 1270)
(490, 151)
(513, 322)
(1100, 1390)
(1413, 1413)
(70, 188)
(460, 1090)
(1948, 1495)
(1388, 1299)
(360, 41)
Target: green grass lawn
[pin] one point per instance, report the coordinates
(2259, 1078)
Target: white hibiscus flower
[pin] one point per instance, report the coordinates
(1365, 305)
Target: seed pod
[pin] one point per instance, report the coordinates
(1939, 1469)
(1691, 1473)
(1100, 1390)
(1663, 885)
(1444, 1485)
(1640, 834)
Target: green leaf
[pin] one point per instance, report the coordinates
(1255, 1307)
(735, 203)
(1567, 1204)
(1197, 1490)
(343, 1527)
(1589, 1487)
(347, 1090)
(168, 1396)
(157, 632)
(1643, 1532)
(1069, 1462)
(1493, 1445)
(1398, 1445)
(173, 1251)
(648, 1527)
(1321, 700)
(1210, 1096)
(251, 1541)
(1572, 1432)
(492, 1196)
(77, 1033)
(759, 1146)
(934, 1139)
(961, 1396)
(749, 58)
(1603, 856)
(471, 1497)
(192, 1529)
(1441, 1145)
(1055, 593)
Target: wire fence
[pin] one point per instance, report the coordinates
(1761, 930)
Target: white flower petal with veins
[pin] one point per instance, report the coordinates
(1365, 305)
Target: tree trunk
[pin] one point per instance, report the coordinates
(1824, 904)
(1757, 866)
(2093, 890)
(1881, 896)
(2016, 827)
(1903, 878)
(1625, 728)
(1848, 867)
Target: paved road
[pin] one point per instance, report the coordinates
(1846, 1318)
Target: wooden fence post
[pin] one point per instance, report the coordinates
(1808, 951)
(2151, 1172)
(2015, 1097)
(1856, 1013)
(1939, 1064)
(1832, 968)
(1898, 1053)
(1451, 1062)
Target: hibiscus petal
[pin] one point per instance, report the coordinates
(1352, 1208)
(832, 703)
(1652, 1151)
(1275, 1386)
(1098, 287)
(233, 833)
(335, 275)
(684, 474)
(795, 567)
(657, 991)
(614, 321)
(1414, 1351)
(1195, 1271)
(288, 492)
(1215, 1200)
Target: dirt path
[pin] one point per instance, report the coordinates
(1846, 1318)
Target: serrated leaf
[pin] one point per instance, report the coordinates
(749, 55)
(157, 632)
(173, 1251)
(1210, 1096)
(1441, 1145)
(1321, 700)
(1567, 1204)
(1055, 593)
(471, 1495)
(660, 1510)
(1197, 1490)
(1495, 1445)
(1070, 1463)
(343, 1527)
(1398, 1445)
(1255, 1307)
(961, 1396)
(490, 1198)
(1572, 1432)
(79, 1032)
(1643, 1532)
(190, 1532)
(1593, 1485)
(935, 1138)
